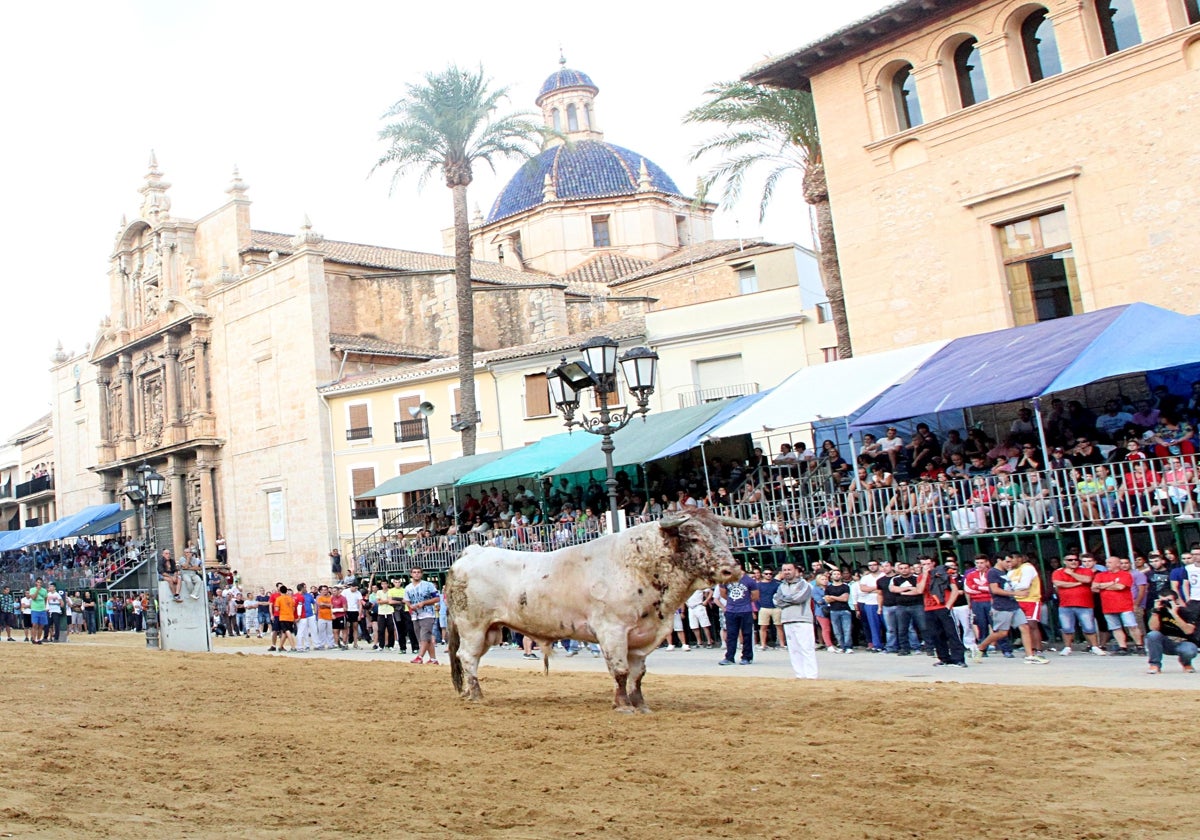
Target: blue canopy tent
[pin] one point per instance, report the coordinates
(58, 529)
(1038, 359)
(700, 434)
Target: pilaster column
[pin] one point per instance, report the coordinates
(200, 344)
(127, 476)
(930, 91)
(1077, 41)
(125, 370)
(1154, 19)
(208, 505)
(104, 382)
(171, 367)
(997, 66)
(178, 504)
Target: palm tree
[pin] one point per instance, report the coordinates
(447, 123)
(774, 129)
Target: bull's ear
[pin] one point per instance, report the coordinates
(672, 522)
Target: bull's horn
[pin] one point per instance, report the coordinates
(671, 522)
(729, 521)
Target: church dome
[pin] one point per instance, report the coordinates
(585, 169)
(565, 77)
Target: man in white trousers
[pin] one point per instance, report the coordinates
(794, 598)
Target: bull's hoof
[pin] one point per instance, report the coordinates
(472, 695)
(625, 710)
(644, 710)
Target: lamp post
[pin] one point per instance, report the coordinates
(598, 369)
(144, 489)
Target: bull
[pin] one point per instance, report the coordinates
(619, 591)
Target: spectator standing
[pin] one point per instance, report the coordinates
(740, 597)
(768, 614)
(1116, 600)
(337, 608)
(837, 598)
(421, 599)
(697, 611)
(54, 612)
(910, 609)
(1073, 584)
(285, 608)
(306, 618)
(793, 597)
(869, 606)
(1027, 588)
(262, 602)
(10, 614)
(821, 609)
(960, 607)
(354, 603)
(405, 632)
(1192, 574)
(1007, 614)
(979, 595)
(385, 624)
(939, 591)
(324, 604)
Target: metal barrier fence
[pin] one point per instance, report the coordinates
(1115, 507)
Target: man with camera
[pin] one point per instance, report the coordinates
(1174, 630)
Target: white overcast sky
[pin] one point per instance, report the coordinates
(292, 93)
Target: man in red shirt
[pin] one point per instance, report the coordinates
(1116, 601)
(975, 584)
(940, 590)
(1076, 604)
(337, 606)
(275, 633)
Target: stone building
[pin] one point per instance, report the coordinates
(32, 482)
(997, 162)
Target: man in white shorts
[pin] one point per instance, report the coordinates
(697, 609)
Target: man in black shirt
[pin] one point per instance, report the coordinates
(910, 609)
(1174, 629)
(837, 597)
(1085, 452)
(1158, 578)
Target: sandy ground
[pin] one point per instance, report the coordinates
(106, 739)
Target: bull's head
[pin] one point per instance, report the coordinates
(703, 543)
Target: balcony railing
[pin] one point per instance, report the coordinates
(361, 433)
(455, 418)
(411, 430)
(366, 513)
(724, 392)
(35, 485)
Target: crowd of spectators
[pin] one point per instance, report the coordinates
(84, 562)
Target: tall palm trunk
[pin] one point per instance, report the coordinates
(466, 317)
(816, 193)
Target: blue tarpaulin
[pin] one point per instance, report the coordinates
(1023, 362)
(692, 439)
(56, 530)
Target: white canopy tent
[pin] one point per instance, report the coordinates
(826, 392)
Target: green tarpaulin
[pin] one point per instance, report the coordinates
(533, 460)
(641, 440)
(435, 475)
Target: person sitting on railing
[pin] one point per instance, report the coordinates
(1011, 510)
(1179, 480)
(826, 526)
(1172, 436)
(858, 494)
(927, 508)
(1038, 497)
(1136, 493)
(896, 512)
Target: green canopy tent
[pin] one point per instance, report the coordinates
(532, 461)
(642, 439)
(441, 474)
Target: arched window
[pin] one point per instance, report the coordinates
(557, 118)
(572, 119)
(904, 94)
(1118, 25)
(587, 117)
(968, 72)
(1040, 47)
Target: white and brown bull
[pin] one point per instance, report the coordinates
(619, 591)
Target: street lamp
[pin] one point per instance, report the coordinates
(144, 489)
(598, 370)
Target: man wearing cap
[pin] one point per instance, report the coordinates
(794, 600)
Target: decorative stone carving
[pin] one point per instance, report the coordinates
(153, 418)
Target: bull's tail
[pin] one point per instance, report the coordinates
(452, 642)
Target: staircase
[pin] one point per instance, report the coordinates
(382, 549)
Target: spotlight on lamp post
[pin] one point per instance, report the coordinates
(598, 369)
(144, 489)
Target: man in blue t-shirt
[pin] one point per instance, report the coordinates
(768, 613)
(739, 598)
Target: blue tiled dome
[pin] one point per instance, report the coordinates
(565, 77)
(586, 169)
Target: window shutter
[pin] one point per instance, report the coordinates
(362, 480)
(358, 417)
(537, 395)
